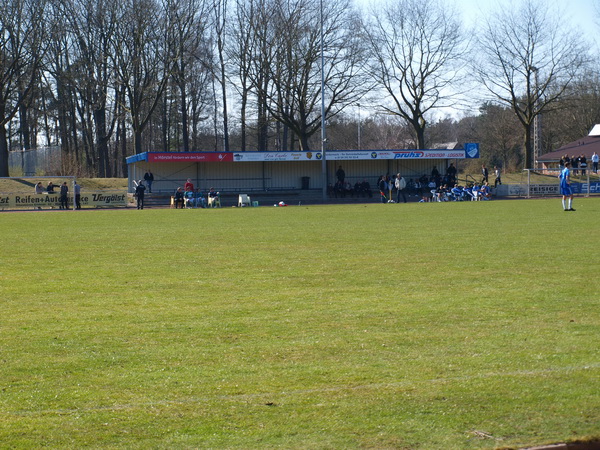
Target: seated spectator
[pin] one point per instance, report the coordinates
(348, 189)
(338, 189)
(178, 197)
(212, 196)
(485, 191)
(468, 190)
(476, 191)
(50, 188)
(39, 189)
(457, 193)
(410, 187)
(366, 188)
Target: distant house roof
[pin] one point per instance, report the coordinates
(587, 146)
(447, 146)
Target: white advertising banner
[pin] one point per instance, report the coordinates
(348, 155)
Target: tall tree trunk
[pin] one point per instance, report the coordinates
(99, 115)
(184, 119)
(3, 152)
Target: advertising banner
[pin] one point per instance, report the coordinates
(90, 199)
(582, 188)
(349, 155)
(276, 156)
(190, 157)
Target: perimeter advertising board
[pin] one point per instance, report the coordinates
(354, 155)
(90, 199)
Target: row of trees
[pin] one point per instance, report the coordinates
(104, 79)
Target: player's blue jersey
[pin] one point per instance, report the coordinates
(564, 177)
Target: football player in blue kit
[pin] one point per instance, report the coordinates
(565, 187)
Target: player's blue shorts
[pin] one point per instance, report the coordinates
(565, 189)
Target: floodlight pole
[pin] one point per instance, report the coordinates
(323, 136)
(358, 126)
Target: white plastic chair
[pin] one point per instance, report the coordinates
(244, 200)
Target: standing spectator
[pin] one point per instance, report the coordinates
(485, 173)
(583, 164)
(565, 187)
(382, 185)
(188, 186)
(149, 178)
(451, 172)
(400, 186)
(595, 159)
(77, 192)
(139, 193)
(178, 197)
(574, 164)
(434, 173)
(341, 175)
(64, 199)
(497, 173)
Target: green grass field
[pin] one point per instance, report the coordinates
(455, 325)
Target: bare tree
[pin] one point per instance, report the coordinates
(92, 26)
(187, 38)
(142, 60)
(292, 63)
(417, 48)
(497, 131)
(220, 22)
(21, 53)
(529, 57)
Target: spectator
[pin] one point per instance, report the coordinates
(382, 185)
(366, 188)
(583, 164)
(338, 189)
(348, 189)
(341, 175)
(434, 173)
(451, 173)
(64, 199)
(401, 187)
(178, 197)
(39, 189)
(188, 186)
(50, 188)
(497, 173)
(484, 173)
(139, 193)
(595, 159)
(485, 192)
(212, 194)
(77, 192)
(149, 178)
(575, 164)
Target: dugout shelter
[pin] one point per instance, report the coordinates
(253, 171)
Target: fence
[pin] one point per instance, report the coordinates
(39, 161)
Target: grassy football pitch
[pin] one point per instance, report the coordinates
(455, 325)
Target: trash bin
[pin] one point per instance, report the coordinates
(305, 182)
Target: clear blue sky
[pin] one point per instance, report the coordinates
(584, 14)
